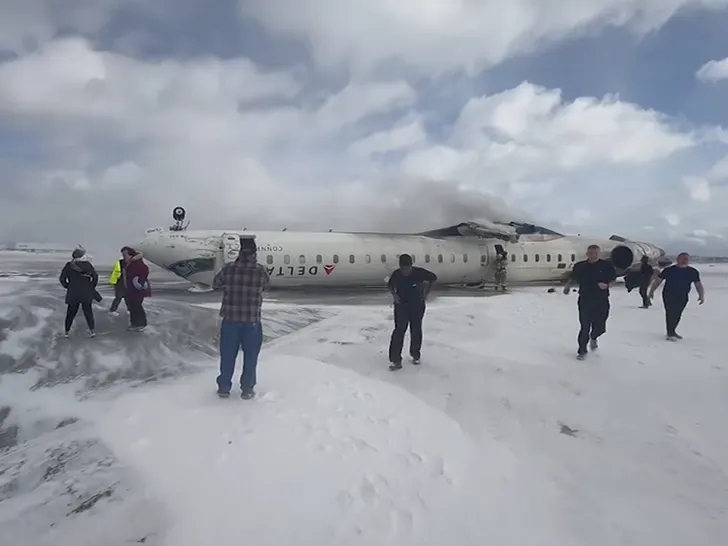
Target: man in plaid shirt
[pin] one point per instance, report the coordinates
(243, 283)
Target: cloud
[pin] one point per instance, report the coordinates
(96, 144)
(436, 36)
(713, 71)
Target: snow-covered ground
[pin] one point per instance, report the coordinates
(500, 436)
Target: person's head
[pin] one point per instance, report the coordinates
(405, 263)
(128, 253)
(247, 247)
(593, 252)
(683, 259)
(78, 253)
(644, 259)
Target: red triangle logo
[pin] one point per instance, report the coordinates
(329, 269)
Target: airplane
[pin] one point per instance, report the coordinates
(462, 254)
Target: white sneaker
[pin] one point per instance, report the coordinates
(114, 313)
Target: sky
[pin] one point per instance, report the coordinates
(596, 117)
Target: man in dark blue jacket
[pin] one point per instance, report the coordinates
(410, 286)
(679, 279)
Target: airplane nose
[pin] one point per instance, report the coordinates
(148, 243)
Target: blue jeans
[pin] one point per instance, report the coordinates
(233, 337)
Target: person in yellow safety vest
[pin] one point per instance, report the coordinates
(116, 279)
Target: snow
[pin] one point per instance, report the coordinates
(500, 437)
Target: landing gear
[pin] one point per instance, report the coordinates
(179, 214)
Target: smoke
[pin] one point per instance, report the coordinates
(418, 205)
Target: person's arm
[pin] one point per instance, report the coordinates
(63, 277)
(391, 285)
(611, 278)
(94, 277)
(699, 287)
(264, 279)
(218, 281)
(428, 279)
(139, 276)
(572, 279)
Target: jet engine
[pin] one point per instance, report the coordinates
(627, 254)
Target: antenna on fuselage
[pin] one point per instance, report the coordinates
(179, 214)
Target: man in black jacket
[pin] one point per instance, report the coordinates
(595, 277)
(410, 286)
(79, 278)
(645, 278)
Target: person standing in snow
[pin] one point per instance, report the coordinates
(243, 283)
(679, 279)
(410, 286)
(595, 277)
(118, 281)
(646, 273)
(501, 264)
(79, 278)
(136, 279)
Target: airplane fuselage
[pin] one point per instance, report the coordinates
(326, 259)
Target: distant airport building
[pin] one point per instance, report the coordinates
(39, 247)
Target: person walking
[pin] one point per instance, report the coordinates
(79, 278)
(679, 279)
(118, 281)
(410, 287)
(595, 277)
(243, 283)
(137, 289)
(645, 278)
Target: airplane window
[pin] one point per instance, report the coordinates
(483, 258)
(525, 257)
(384, 258)
(286, 259)
(439, 258)
(548, 257)
(351, 259)
(537, 257)
(427, 258)
(560, 258)
(513, 257)
(573, 257)
(452, 258)
(465, 258)
(302, 259)
(336, 259)
(368, 258)
(319, 258)
(269, 259)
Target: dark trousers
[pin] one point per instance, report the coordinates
(593, 315)
(674, 307)
(88, 313)
(407, 315)
(119, 291)
(137, 315)
(643, 292)
(234, 336)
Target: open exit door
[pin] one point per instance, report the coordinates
(230, 247)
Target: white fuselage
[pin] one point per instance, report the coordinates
(300, 259)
